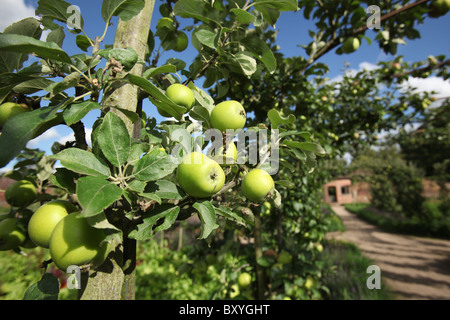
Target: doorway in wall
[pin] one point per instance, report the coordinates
(332, 194)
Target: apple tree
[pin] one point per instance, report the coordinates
(135, 178)
(127, 184)
(344, 116)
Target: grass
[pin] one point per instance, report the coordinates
(430, 223)
(334, 222)
(347, 275)
(347, 267)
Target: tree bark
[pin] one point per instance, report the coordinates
(260, 278)
(115, 279)
(132, 34)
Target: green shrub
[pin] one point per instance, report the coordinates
(165, 274)
(396, 186)
(436, 225)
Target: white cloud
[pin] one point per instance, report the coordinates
(12, 11)
(368, 66)
(47, 135)
(5, 169)
(439, 85)
(52, 135)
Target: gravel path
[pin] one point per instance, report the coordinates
(413, 267)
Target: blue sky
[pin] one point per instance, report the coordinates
(292, 31)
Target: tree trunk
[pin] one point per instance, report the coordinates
(260, 278)
(115, 279)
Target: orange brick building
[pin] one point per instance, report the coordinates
(338, 191)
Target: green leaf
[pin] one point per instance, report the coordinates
(154, 166)
(59, 10)
(77, 111)
(83, 162)
(136, 152)
(45, 289)
(21, 128)
(266, 261)
(95, 194)
(270, 14)
(124, 9)
(243, 17)
(69, 81)
(9, 80)
(25, 44)
(131, 115)
(245, 62)
(145, 230)
(167, 68)
(83, 42)
(165, 189)
(32, 86)
(306, 146)
(127, 57)
(285, 183)
(207, 216)
(229, 214)
(261, 51)
(282, 5)
(57, 36)
(203, 106)
(276, 119)
(304, 134)
(64, 179)
(276, 198)
(193, 9)
(207, 37)
(114, 139)
(157, 97)
(10, 61)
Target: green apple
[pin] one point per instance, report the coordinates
(200, 176)
(350, 45)
(75, 242)
(284, 257)
(309, 283)
(11, 236)
(234, 291)
(181, 41)
(9, 109)
(181, 95)
(211, 259)
(45, 219)
(257, 184)
(230, 155)
(21, 193)
(228, 115)
(439, 8)
(244, 280)
(319, 247)
(165, 22)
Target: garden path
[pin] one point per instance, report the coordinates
(413, 267)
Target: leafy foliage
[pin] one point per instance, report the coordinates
(125, 180)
